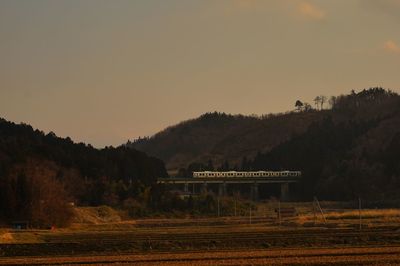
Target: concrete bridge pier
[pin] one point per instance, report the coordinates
(204, 188)
(254, 191)
(222, 189)
(284, 191)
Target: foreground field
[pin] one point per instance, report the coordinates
(305, 256)
(261, 240)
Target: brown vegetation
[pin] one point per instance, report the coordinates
(95, 215)
(41, 175)
(31, 192)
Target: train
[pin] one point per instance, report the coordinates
(256, 174)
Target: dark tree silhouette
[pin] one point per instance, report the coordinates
(299, 105)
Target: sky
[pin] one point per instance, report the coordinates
(103, 72)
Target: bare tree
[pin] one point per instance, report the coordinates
(317, 101)
(332, 101)
(307, 107)
(323, 100)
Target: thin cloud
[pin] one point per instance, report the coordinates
(391, 47)
(311, 11)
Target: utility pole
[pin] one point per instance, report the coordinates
(235, 207)
(320, 209)
(279, 212)
(359, 211)
(218, 206)
(315, 212)
(250, 214)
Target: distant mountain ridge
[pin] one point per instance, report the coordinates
(221, 137)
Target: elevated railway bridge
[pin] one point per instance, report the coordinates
(223, 179)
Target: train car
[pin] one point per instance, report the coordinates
(240, 174)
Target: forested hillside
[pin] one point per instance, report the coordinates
(348, 150)
(40, 174)
(353, 152)
(221, 138)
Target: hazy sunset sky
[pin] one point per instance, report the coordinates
(103, 72)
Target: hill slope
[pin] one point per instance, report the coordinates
(348, 151)
(40, 173)
(354, 152)
(221, 137)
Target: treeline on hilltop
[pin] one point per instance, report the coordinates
(352, 151)
(223, 137)
(41, 174)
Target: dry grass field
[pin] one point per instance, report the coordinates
(258, 240)
(304, 256)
